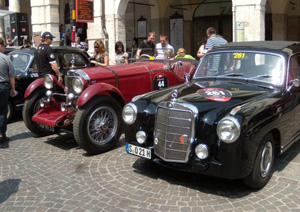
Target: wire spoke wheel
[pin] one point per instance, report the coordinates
(102, 125)
(97, 125)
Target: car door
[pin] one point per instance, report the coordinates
(294, 74)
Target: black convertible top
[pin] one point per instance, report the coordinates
(286, 46)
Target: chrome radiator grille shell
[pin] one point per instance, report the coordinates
(174, 131)
(71, 74)
(68, 83)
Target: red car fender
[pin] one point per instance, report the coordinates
(36, 84)
(98, 89)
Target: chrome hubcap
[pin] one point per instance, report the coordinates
(102, 125)
(266, 159)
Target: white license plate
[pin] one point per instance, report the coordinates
(46, 127)
(138, 151)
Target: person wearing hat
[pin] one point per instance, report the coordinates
(45, 58)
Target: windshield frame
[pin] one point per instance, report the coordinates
(22, 53)
(247, 79)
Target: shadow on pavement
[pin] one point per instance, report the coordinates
(23, 135)
(283, 160)
(213, 185)
(7, 188)
(64, 140)
(17, 116)
(120, 144)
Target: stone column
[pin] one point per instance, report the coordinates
(14, 5)
(112, 36)
(120, 30)
(94, 30)
(187, 41)
(279, 22)
(44, 17)
(251, 13)
(2, 5)
(107, 26)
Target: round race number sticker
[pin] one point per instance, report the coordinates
(160, 82)
(215, 94)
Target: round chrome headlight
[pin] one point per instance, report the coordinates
(77, 84)
(129, 113)
(228, 129)
(141, 137)
(48, 81)
(201, 151)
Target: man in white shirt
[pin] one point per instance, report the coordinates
(163, 49)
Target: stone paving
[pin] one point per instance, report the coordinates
(52, 174)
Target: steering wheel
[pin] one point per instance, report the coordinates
(145, 56)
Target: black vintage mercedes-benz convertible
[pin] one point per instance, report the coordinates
(240, 110)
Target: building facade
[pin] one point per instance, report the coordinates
(183, 21)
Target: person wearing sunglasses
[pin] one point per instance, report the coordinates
(45, 58)
(100, 57)
(181, 54)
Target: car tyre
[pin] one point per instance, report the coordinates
(31, 106)
(262, 171)
(9, 111)
(98, 125)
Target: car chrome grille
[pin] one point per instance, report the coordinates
(71, 74)
(68, 84)
(174, 132)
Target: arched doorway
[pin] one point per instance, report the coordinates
(216, 14)
(137, 10)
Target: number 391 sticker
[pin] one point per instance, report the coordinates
(215, 94)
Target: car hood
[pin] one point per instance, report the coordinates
(217, 98)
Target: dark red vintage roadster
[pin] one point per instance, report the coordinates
(90, 100)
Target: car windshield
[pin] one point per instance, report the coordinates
(249, 65)
(20, 61)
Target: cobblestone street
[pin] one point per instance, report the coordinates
(52, 174)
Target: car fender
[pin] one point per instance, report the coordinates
(36, 84)
(99, 89)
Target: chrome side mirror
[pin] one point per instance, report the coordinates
(294, 83)
(187, 77)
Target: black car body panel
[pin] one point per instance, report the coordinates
(262, 103)
(26, 70)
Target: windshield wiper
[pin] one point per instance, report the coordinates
(262, 76)
(232, 75)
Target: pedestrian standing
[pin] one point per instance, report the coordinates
(45, 58)
(9, 43)
(7, 88)
(202, 49)
(100, 57)
(121, 55)
(214, 40)
(163, 49)
(26, 44)
(147, 46)
(78, 43)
